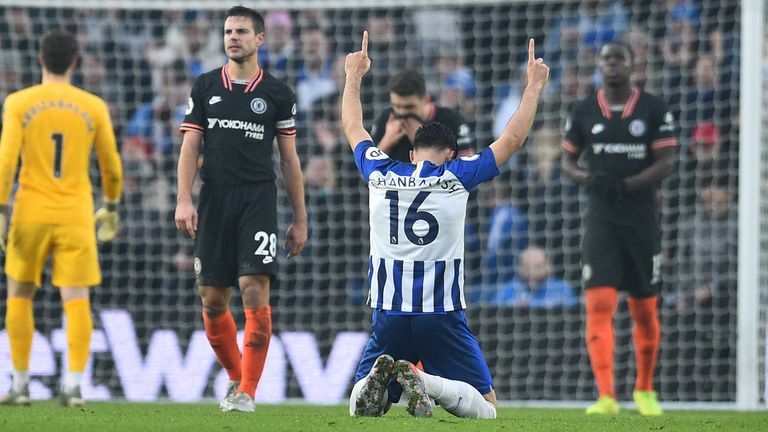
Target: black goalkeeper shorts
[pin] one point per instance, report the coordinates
(625, 257)
(236, 233)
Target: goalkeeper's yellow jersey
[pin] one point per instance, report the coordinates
(53, 127)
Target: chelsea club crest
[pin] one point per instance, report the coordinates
(258, 105)
(637, 127)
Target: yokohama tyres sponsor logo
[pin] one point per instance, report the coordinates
(632, 150)
(235, 124)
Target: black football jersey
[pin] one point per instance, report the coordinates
(402, 150)
(239, 121)
(619, 141)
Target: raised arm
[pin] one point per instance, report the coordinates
(355, 67)
(519, 125)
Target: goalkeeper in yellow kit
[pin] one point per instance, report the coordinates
(54, 126)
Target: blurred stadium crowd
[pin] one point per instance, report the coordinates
(523, 230)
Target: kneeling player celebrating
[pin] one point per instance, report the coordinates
(416, 273)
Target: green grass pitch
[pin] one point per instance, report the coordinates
(156, 417)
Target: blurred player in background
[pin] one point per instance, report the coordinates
(235, 112)
(395, 129)
(53, 127)
(627, 139)
(416, 271)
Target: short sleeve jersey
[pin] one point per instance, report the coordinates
(446, 116)
(417, 218)
(620, 141)
(239, 121)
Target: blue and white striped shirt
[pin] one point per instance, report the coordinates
(417, 217)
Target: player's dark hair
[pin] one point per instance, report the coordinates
(436, 136)
(242, 11)
(623, 45)
(58, 50)
(408, 82)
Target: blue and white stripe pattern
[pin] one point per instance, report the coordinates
(416, 286)
(417, 218)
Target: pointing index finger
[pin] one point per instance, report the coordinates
(365, 43)
(531, 56)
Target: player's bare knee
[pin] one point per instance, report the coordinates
(213, 311)
(215, 300)
(252, 298)
(73, 293)
(202, 290)
(255, 290)
(21, 289)
(214, 306)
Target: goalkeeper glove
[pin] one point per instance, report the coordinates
(610, 189)
(107, 220)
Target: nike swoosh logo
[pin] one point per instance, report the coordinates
(214, 100)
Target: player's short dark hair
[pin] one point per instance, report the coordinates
(436, 136)
(242, 11)
(58, 50)
(623, 45)
(408, 82)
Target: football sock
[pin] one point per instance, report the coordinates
(601, 305)
(20, 380)
(646, 336)
(222, 335)
(79, 330)
(20, 325)
(72, 380)
(258, 330)
(457, 397)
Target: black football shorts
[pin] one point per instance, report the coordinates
(236, 233)
(625, 257)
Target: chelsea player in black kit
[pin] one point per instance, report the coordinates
(395, 128)
(235, 112)
(627, 140)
